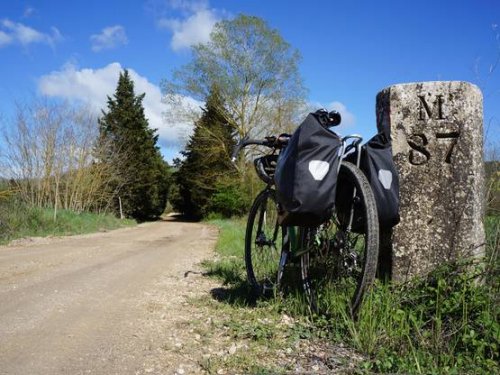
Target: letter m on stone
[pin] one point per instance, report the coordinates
(425, 111)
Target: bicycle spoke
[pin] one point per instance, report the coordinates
(340, 255)
(264, 242)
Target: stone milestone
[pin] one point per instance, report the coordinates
(437, 143)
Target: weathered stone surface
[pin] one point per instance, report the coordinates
(437, 140)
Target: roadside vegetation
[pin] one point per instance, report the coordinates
(64, 171)
(445, 323)
(20, 220)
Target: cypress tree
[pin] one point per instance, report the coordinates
(207, 160)
(142, 183)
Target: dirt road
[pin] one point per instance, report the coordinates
(104, 303)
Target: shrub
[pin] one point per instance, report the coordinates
(229, 199)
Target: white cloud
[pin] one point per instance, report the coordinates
(4, 38)
(195, 27)
(14, 32)
(109, 38)
(92, 86)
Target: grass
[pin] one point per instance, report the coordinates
(272, 340)
(446, 323)
(231, 240)
(256, 333)
(19, 221)
(492, 229)
(229, 265)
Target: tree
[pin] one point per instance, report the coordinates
(256, 73)
(143, 184)
(50, 157)
(206, 168)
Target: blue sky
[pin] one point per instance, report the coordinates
(350, 50)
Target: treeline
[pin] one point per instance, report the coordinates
(61, 157)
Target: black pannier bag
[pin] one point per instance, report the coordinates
(378, 166)
(306, 174)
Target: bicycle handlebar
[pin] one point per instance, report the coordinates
(271, 142)
(242, 144)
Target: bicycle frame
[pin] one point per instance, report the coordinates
(290, 241)
(356, 143)
(345, 244)
(290, 246)
(345, 148)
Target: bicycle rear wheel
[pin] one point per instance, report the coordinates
(340, 256)
(263, 244)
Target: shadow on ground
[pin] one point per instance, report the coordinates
(172, 217)
(179, 218)
(238, 292)
(235, 295)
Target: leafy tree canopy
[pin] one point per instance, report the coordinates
(255, 70)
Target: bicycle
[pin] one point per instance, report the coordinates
(342, 252)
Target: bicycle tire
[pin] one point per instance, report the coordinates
(338, 258)
(263, 244)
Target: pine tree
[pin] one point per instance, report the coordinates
(207, 162)
(142, 184)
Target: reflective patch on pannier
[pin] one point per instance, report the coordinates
(319, 169)
(385, 178)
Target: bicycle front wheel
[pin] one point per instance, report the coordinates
(340, 256)
(263, 243)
